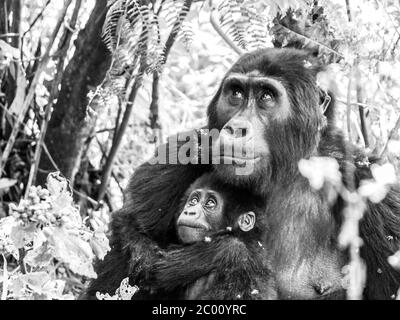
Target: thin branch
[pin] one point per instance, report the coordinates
(176, 28)
(30, 28)
(117, 139)
(112, 172)
(221, 33)
(348, 10)
(390, 17)
(32, 89)
(313, 41)
(37, 18)
(154, 121)
(62, 53)
(21, 262)
(5, 279)
(54, 164)
(391, 134)
(348, 110)
(356, 104)
(361, 111)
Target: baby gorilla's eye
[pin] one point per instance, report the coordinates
(211, 204)
(193, 201)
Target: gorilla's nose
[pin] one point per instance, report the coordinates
(236, 129)
(190, 213)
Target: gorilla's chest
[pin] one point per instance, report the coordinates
(309, 278)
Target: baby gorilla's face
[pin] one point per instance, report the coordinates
(202, 214)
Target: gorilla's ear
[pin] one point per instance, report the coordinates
(246, 221)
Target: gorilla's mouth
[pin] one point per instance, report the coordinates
(192, 225)
(235, 160)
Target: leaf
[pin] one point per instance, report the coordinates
(56, 184)
(34, 280)
(39, 257)
(100, 244)
(18, 101)
(6, 183)
(22, 235)
(384, 174)
(73, 251)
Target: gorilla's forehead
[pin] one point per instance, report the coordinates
(274, 62)
(253, 77)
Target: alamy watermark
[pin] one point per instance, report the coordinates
(183, 148)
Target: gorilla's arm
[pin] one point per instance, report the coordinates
(235, 266)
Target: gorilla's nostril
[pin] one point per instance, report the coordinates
(242, 132)
(229, 130)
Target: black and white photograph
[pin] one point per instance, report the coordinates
(209, 151)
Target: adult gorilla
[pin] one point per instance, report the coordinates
(269, 99)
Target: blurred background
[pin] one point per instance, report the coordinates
(90, 88)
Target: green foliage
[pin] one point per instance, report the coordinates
(51, 244)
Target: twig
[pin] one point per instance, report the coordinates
(360, 98)
(313, 41)
(356, 104)
(348, 10)
(390, 17)
(154, 123)
(348, 110)
(125, 119)
(37, 18)
(21, 262)
(54, 164)
(91, 200)
(62, 53)
(30, 28)
(32, 88)
(391, 134)
(112, 172)
(176, 28)
(222, 34)
(118, 136)
(5, 279)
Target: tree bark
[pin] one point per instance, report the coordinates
(72, 122)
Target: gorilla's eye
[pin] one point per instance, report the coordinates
(211, 204)
(267, 97)
(194, 200)
(236, 97)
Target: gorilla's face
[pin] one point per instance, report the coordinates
(267, 115)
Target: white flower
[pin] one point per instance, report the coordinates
(320, 169)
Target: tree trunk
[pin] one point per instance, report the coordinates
(13, 9)
(72, 122)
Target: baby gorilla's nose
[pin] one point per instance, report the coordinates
(189, 213)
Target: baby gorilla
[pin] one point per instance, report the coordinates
(204, 216)
(203, 213)
(235, 268)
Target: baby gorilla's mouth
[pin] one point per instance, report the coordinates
(189, 233)
(191, 224)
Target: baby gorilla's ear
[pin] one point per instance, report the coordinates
(246, 221)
